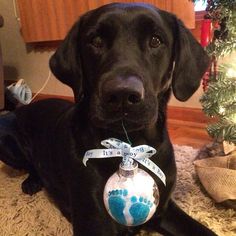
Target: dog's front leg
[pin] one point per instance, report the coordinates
(88, 214)
(176, 222)
(90, 223)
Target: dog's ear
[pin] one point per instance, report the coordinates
(191, 61)
(65, 62)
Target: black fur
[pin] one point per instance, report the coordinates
(117, 73)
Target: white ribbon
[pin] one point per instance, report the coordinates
(117, 148)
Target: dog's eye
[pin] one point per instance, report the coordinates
(155, 42)
(97, 42)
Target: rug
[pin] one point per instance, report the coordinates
(22, 215)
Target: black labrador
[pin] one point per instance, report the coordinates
(122, 62)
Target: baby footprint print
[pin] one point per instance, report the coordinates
(139, 209)
(117, 204)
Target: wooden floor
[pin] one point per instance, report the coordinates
(188, 133)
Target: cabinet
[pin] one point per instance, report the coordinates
(50, 20)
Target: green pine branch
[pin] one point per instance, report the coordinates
(219, 101)
(219, 11)
(220, 97)
(223, 130)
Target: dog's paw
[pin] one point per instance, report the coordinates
(139, 209)
(31, 185)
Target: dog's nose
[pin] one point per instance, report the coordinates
(124, 92)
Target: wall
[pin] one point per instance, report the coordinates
(20, 61)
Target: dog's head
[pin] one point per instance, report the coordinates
(122, 58)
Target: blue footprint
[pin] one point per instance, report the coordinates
(117, 204)
(139, 209)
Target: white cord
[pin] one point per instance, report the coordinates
(44, 85)
(15, 10)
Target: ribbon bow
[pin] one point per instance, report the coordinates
(117, 148)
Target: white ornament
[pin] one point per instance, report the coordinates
(131, 196)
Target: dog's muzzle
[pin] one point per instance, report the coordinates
(122, 94)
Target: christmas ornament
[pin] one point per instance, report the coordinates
(131, 195)
(206, 32)
(205, 81)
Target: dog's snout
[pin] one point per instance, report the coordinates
(123, 92)
(123, 97)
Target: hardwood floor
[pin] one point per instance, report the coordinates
(187, 126)
(188, 133)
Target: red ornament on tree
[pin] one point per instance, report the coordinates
(206, 32)
(205, 81)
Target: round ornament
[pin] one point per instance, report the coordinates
(131, 195)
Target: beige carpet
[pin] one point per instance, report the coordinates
(22, 215)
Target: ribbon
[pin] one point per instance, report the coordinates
(117, 148)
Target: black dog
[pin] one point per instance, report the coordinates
(122, 61)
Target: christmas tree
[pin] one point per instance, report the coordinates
(219, 99)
